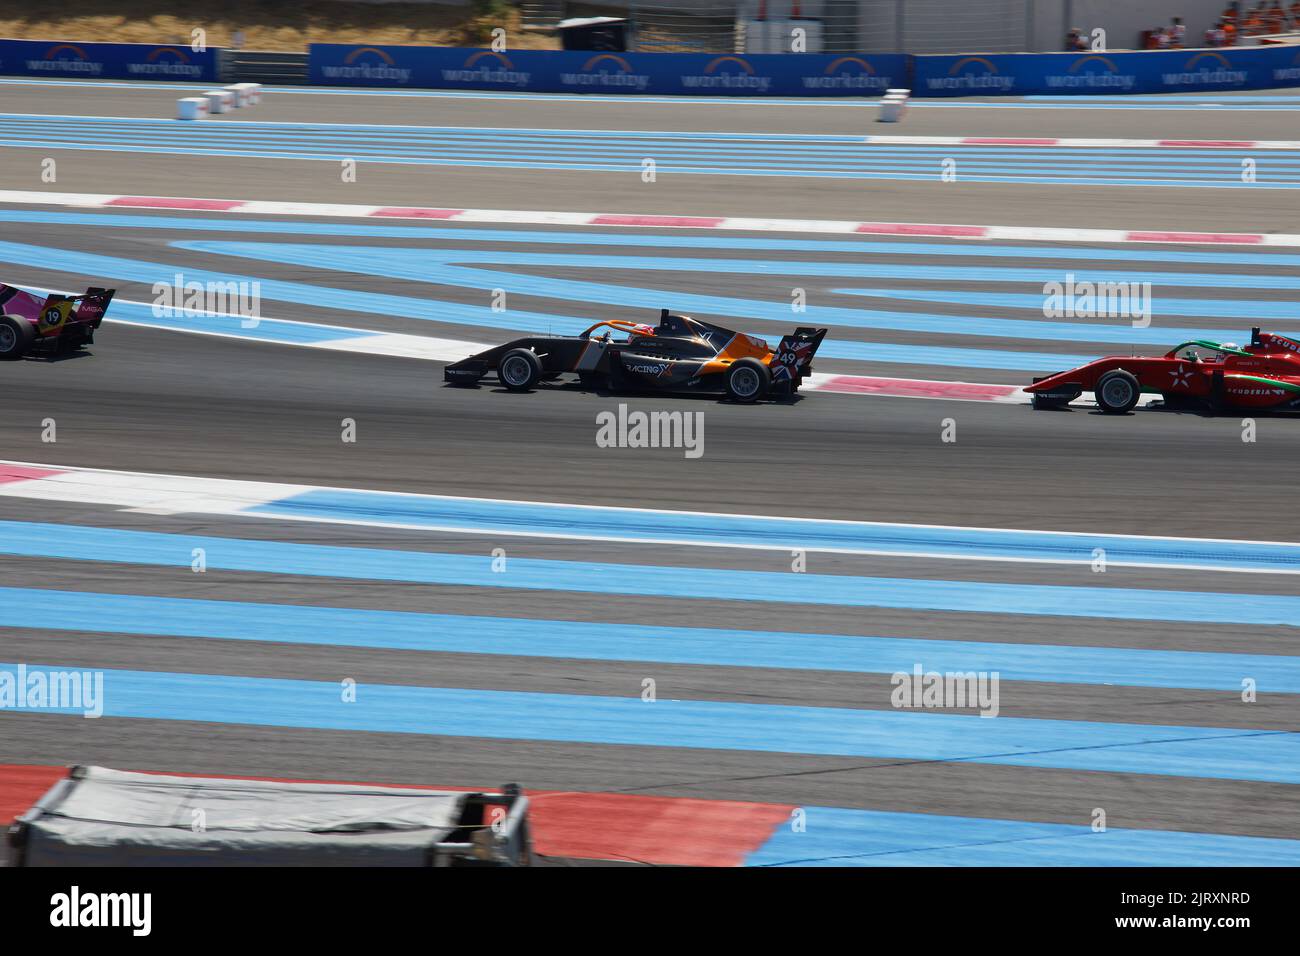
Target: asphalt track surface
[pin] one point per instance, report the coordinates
(890, 200)
(149, 400)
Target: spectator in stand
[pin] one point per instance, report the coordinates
(1272, 17)
(1253, 25)
(1231, 22)
(1177, 34)
(1295, 15)
(1159, 39)
(1075, 42)
(1215, 36)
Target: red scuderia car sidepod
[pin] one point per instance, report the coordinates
(1207, 375)
(53, 323)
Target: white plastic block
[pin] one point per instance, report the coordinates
(220, 101)
(252, 92)
(192, 108)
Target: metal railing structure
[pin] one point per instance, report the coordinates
(883, 26)
(720, 26)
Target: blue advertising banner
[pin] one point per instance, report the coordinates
(101, 61)
(556, 71)
(1171, 71)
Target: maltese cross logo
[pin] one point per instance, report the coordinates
(1182, 377)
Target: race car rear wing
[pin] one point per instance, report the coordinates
(793, 356)
(89, 307)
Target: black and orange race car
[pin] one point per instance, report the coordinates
(680, 354)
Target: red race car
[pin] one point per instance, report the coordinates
(55, 323)
(1206, 375)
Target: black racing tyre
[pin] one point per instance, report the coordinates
(519, 370)
(1118, 392)
(16, 337)
(747, 380)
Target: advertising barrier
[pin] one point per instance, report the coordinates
(759, 74)
(555, 71)
(1165, 71)
(805, 74)
(106, 61)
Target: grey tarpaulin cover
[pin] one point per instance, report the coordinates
(117, 818)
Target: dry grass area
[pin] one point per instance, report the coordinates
(268, 24)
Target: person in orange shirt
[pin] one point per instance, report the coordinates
(1229, 33)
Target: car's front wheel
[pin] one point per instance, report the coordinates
(1118, 392)
(519, 370)
(16, 337)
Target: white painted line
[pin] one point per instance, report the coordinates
(394, 344)
(1035, 142)
(434, 349)
(1245, 104)
(647, 220)
(152, 493)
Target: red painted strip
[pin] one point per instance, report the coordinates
(1004, 141)
(617, 219)
(916, 229)
(907, 388)
(665, 831)
(417, 212)
(23, 473)
(21, 786)
(167, 202)
(1232, 237)
(1229, 143)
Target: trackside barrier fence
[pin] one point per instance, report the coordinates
(756, 74)
(57, 59)
(805, 74)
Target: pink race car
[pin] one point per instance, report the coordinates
(56, 323)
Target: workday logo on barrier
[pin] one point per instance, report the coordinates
(727, 73)
(486, 66)
(65, 58)
(1092, 72)
(1291, 72)
(166, 61)
(607, 71)
(848, 73)
(1205, 69)
(368, 64)
(972, 73)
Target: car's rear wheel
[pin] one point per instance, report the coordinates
(748, 380)
(519, 370)
(1118, 392)
(16, 337)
